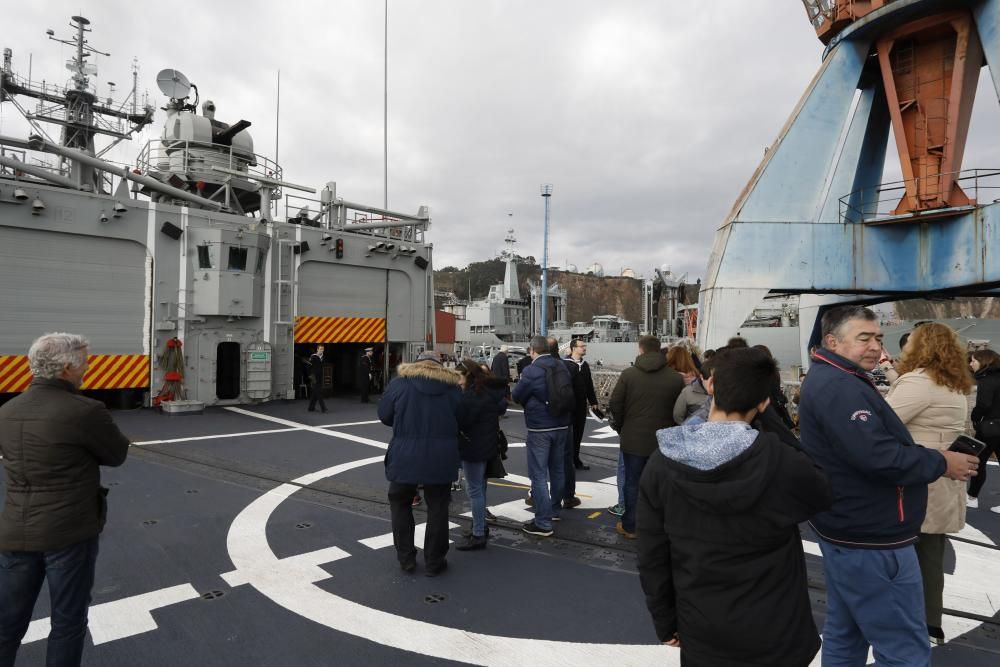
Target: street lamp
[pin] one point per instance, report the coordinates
(546, 191)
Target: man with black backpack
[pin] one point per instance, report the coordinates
(545, 391)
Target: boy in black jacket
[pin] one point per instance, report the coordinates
(720, 555)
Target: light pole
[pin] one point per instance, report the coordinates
(546, 195)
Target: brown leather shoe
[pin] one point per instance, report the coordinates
(620, 529)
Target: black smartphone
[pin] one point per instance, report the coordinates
(967, 445)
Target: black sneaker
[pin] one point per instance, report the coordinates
(433, 572)
(472, 543)
(570, 503)
(490, 516)
(531, 528)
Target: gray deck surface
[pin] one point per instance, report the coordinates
(335, 595)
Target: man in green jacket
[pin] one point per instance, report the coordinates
(642, 403)
(53, 441)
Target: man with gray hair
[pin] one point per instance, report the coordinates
(53, 441)
(879, 477)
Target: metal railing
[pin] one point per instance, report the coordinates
(878, 204)
(340, 216)
(195, 158)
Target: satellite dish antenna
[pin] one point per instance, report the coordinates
(173, 84)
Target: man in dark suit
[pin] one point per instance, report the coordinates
(367, 369)
(316, 380)
(583, 390)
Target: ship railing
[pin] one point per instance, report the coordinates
(195, 159)
(342, 217)
(877, 204)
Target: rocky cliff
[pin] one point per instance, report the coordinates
(986, 307)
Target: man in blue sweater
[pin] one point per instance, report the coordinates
(879, 478)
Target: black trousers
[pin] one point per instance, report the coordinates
(579, 424)
(976, 485)
(930, 555)
(436, 498)
(366, 387)
(316, 394)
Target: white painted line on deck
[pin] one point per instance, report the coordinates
(305, 565)
(122, 618)
(245, 433)
(314, 429)
(419, 531)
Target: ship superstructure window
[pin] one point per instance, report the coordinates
(237, 259)
(260, 261)
(204, 257)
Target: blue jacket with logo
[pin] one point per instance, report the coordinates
(878, 474)
(532, 394)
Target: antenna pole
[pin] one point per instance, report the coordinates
(277, 117)
(385, 113)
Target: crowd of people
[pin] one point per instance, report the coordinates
(715, 479)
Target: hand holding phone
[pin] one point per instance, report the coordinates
(965, 444)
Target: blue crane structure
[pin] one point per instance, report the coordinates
(815, 220)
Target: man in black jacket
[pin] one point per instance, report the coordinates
(316, 380)
(583, 390)
(720, 555)
(53, 441)
(367, 374)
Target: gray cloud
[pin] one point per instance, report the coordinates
(648, 116)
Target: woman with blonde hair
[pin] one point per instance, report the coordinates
(930, 398)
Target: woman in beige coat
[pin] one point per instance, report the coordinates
(929, 397)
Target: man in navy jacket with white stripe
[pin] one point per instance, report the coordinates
(879, 478)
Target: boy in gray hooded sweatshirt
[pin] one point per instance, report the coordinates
(720, 555)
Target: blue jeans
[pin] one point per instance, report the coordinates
(70, 573)
(621, 478)
(634, 465)
(569, 472)
(873, 596)
(475, 486)
(546, 462)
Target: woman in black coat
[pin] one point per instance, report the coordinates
(986, 365)
(483, 401)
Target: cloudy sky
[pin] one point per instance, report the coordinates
(647, 116)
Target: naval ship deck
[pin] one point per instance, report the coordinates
(261, 536)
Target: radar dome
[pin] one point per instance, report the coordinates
(628, 273)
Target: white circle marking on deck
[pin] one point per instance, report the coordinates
(284, 584)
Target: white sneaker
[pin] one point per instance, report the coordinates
(996, 509)
(972, 503)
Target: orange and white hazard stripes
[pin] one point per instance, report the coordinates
(339, 329)
(107, 371)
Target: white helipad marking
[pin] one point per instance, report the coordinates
(314, 429)
(604, 432)
(252, 555)
(419, 531)
(122, 618)
(305, 565)
(245, 433)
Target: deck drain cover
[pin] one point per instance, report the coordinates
(304, 524)
(435, 598)
(149, 522)
(212, 595)
(191, 491)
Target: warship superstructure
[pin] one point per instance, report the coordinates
(195, 272)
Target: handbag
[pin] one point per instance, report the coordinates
(989, 428)
(495, 469)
